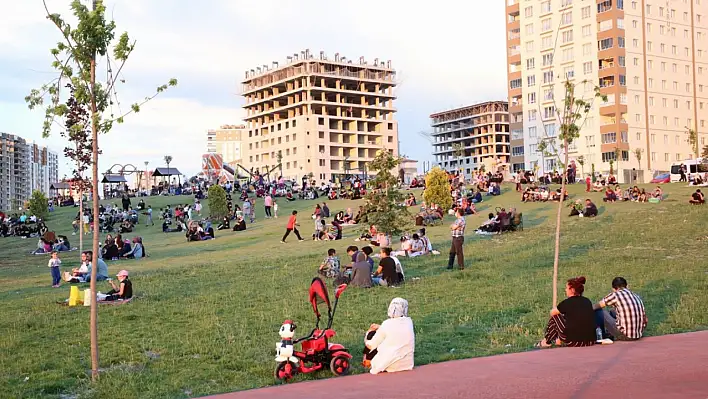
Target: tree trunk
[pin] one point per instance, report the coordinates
(556, 255)
(81, 221)
(94, 190)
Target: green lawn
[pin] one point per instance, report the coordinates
(207, 313)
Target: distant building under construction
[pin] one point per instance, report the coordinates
(319, 116)
(468, 137)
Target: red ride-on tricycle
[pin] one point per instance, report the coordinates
(316, 351)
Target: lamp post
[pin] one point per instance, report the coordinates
(146, 175)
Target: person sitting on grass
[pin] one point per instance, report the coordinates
(136, 251)
(629, 319)
(367, 250)
(658, 193)
(124, 291)
(390, 347)
(572, 322)
(361, 272)
(240, 224)
(330, 265)
(490, 225)
(697, 198)
(610, 195)
(368, 235)
(590, 209)
(386, 274)
(225, 224)
(127, 247)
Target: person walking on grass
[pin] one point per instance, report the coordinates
(268, 203)
(458, 238)
(292, 226)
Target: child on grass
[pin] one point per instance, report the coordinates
(54, 265)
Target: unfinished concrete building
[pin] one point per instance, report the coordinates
(319, 116)
(468, 137)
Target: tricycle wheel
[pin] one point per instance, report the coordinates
(284, 371)
(339, 365)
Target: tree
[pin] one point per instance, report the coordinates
(692, 139)
(39, 204)
(458, 151)
(80, 149)
(383, 202)
(612, 166)
(581, 161)
(75, 58)
(437, 188)
(638, 152)
(168, 161)
(704, 154)
(593, 173)
(218, 207)
(571, 116)
(618, 157)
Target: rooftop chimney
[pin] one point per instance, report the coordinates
(388, 64)
(295, 56)
(336, 57)
(322, 55)
(376, 61)
(361, 60)
(290, 59)
(275, 64)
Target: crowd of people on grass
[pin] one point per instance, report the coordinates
(21, 225)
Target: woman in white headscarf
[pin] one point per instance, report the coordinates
(390, 346)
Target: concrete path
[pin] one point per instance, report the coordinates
(671, 366)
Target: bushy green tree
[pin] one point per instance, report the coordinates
(218, 206)
(39, 205)
(384, 202)
(437, 188)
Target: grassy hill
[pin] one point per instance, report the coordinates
(207, 313)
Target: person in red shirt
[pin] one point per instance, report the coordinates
(292, 226)
(588, 184)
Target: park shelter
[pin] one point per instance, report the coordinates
(168, 172)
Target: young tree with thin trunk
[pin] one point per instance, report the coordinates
(571, 116)
(83, 46)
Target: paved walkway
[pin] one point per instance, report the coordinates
(671, 366)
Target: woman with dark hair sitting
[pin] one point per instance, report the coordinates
(572, 322)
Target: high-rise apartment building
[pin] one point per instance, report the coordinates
(44, 168)
(15, 182)
(648, 57)
(466, 138)
(324, 117)
(226, 140)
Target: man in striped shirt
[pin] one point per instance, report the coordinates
(629, 319)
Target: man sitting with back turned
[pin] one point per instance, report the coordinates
(628, 321)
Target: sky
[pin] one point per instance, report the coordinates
(447, 54)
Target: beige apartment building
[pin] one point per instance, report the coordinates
(650, 58)
(227, 141)
(319, 116)
(466, 138)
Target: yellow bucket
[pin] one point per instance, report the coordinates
(73, 295)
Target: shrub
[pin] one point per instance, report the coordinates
(39, 205)
(437, 188)
(218, 207)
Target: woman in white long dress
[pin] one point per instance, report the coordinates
(390, 347)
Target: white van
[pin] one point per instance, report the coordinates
(693, 167)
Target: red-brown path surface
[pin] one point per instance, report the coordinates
(670, 366)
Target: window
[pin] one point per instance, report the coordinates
(651, 101)
(529, 29)
(620, 41)
(546, 42)
(532, 132)
(609, 156)
(604, 6)
(639, 136)
(620, 23)
(567, 54)
(550, 129)
(590, 141)
(587, 49)
(569, 72)
(604, 25)
(604, 44)
(548, 77)
(532, 115)
(567, 36)
(515, 84)
(545, 7)
(530, 63)
(531, 98)
(517, 151)
(547, 94)
(528, 12)
(549, 112)
(587, 68)
(624, 137)
(545, 24)
(548, 59)
(586, 30)
(529, 46)
(653, 138)
(609, 138)
(676, 121)
(585, 11)
(531, 80)
(567, 18)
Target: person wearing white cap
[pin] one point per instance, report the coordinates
(124, 291)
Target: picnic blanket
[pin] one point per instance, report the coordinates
(115, 303)
(61, 252)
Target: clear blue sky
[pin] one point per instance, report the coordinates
(447, 53)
